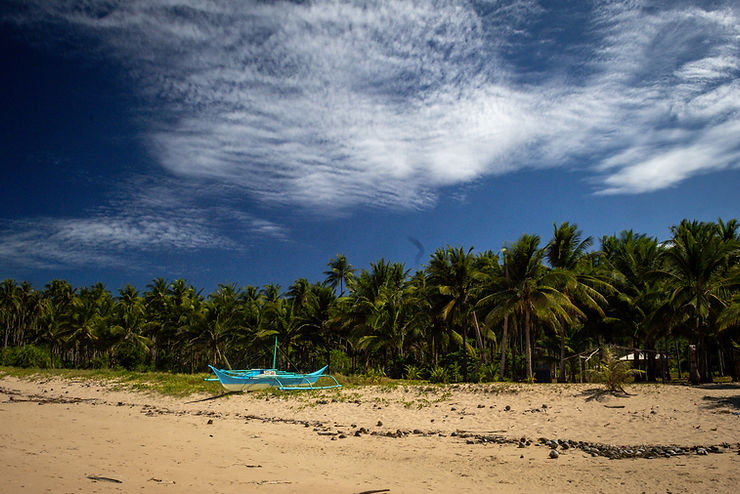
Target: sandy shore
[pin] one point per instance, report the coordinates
(64, 436)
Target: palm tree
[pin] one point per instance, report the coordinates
(392, 317)
(356, 313)
(494, 277)
(9, 306)
(281, 321)
(696, 263)
(50, 329)
(87, 321)
(298, 293)
(130, 321)
(271, 293)
(452, 272)
(318, 314)
(532, 292)
(185, 311)
(567, 252)
(340, 272)
(157, 304)
(28, 311)
(60, 296)
(567, 246)
(223, 321)
(633, 262)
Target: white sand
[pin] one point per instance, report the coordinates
(56, 434)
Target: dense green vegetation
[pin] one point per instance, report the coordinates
(528, 311)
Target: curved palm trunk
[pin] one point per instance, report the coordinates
(479, 337)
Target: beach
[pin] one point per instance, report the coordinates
(73, 435)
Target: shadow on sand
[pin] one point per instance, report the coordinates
(721, 386)
(216, 397)
(722, 402)
(600, 394)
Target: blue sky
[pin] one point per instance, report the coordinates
(250, 142)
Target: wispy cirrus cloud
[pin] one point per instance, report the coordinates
(148, 217)
(331, 104)
(53, 242)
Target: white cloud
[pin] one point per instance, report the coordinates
(649, 168)
(333, 104)
(148, 217)
(709, 68)
(99, 240)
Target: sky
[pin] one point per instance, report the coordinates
(249, 142)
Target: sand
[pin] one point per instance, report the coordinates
(78, 436)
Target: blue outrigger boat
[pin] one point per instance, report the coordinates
(256, 379)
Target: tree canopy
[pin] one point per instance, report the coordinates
(540, 307)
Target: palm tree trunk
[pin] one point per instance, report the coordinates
(636, 356)
(694, 375)
(678, 357)
(527, 342)
(561, 370)
(503, 348)
(479, 337)
(707, 374)
(650, 361)
(573, 370)
(465, 354)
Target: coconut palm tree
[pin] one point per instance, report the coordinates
(452, 271)
(339, 273)
(88, 319)
(392, 317)
(318, 313)
(531, 294)
(298, 293)
(696, 268)
(494, 277)
(9, 306)
(567, 253)
(130, 322)
(184, 314)
(633, 262)
(157, 305)
(567, 246)
(357, 309)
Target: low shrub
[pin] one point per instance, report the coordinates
(439, 375)
(488, 372)
(414, 373)
(340, 362)
(130, 356)
(613, 373)
(26, 356)
(375, 376)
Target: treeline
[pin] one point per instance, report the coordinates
(530, 310)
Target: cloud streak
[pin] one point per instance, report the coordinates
(149, 217)
(333, 105)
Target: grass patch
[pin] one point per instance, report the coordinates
(158, 382)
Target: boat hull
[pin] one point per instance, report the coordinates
(257, 379)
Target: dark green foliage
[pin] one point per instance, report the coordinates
(613, 372)
(25, 357)
(439, 375)
(413, 373)
(466, 316)
(340, 362)
(130, 356)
